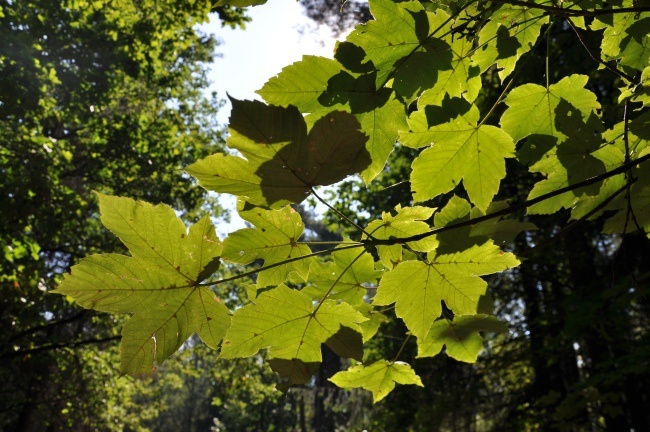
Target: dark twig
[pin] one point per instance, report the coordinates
(509, 210)
(573, 12)
(593, 56)
(341, 215)
(50, 347)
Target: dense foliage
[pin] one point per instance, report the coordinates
(94, 96)
(491, 138)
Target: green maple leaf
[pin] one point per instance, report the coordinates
(287, 322)
(636, 92)
(461, 79)
(379, 378)
(350, 287)
(510, 33)
(633, 211)
(459, 210)
(282, 162)
(532, 108)
(456, 210)
(638, 138)
(375, 320)
(274, 239)
(417, 288)
(304, 82)
(346, 343)
(158, 283)
(407, 221)
(571, 161)
(612, 156)
(560, 123)
(460, 336)
(317, 85)
(292, 372)
(462, 149)
(400, 43)
(625, 38)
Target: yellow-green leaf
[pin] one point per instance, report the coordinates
(460, 336)
(158, 283)
(287, 323)
(379, 378)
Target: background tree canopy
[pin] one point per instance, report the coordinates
(499, 144)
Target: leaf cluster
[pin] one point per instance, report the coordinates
(409, 78)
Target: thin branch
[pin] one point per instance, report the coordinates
(287, 261)
(50, 347)
(401, 348)
(509, 210)
(389, 308)
(38, 328)
(392, 241)
(541, 246)
(548, 54)
(341, 215)
(628, 174)
(593, 56)
(573, 12)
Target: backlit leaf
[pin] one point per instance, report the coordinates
(317, 85)
(379, 378)
(274, 239)
(158, 283)
(407, 221)
(346, 343)
(626, 38)
(511, 32)
(282, 162)
(292, 372)
(417, 288)
(462, 150)
(460, 336)
(401, 44)
(562, 132)
(350, 283)
(532, 108)
(287, 323)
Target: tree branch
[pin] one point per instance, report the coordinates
(46, 326)
(509, 210)
(287, 261)
(573, 12)
(341, 215)
(593, 56)
(50, 347)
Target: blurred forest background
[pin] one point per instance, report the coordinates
(109, 96)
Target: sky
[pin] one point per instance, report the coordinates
(278, 35)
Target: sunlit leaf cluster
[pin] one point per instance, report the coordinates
(410, 77)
